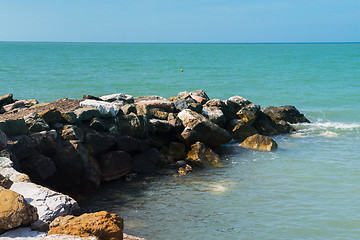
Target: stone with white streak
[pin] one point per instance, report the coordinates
(105, 108)
(50, 204)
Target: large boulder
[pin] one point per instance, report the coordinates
(35, 123)
(99, 142)
(237, 102)
(199, 128)
(45, 142)
(49, 204)
(240, 129)
(146, 162)
(76, 168)
(259, 142)
(286, 113)
(130, 144)
(52, 116)
(199, 96)
(14, 127)
(84, 114)
(15, 211)
(22, 147)
(38, 167)
(114, 165)
(160, 125)
(133, 125)
(201, 155)
(168, 154)
(105, 108)
(104, 225)
(215, 115)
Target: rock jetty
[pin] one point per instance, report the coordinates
(74, 145)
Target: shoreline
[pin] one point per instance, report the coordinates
(74, 145)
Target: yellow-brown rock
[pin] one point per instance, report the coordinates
(259, 142)
(104, 225)
(185, 170)
(201, 155)
(15, 211)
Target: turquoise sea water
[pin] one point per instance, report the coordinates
(308, 189)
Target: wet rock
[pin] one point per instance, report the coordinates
(35, 123)
(15, 211)
(199, 128)
(286, 113)
(5, 182)
(105, 108)
(14, 127)
(177, 150)
(247, 116)
(185, 170)
(114, 165)
(49, 204)
(72, 132)
(76, 169)
(104, 225)
(146, 162)
(201, 155)
(240, 130)
(215, 115)
(264, 125)
(51, 116)
(259, 142)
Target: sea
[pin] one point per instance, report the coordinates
(309, 188)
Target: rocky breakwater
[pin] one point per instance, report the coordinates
(74, 145)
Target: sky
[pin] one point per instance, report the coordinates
(203, 21)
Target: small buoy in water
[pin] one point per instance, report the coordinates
(182, 70)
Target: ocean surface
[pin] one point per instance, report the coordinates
(308, 189)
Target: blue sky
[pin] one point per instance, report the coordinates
(180, 21)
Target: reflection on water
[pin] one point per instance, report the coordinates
(309, 183)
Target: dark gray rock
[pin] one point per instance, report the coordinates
(286, 113)
(146, 162)
(14, 127)
(114, 165)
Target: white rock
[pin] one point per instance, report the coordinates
(50, 204)
(24, 233)
(104, 108)
(118, 97)
(7, 170)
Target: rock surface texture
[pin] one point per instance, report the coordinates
(15, 211)
(260, 142)
(104, 225)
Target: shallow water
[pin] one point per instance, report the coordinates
(307, 189)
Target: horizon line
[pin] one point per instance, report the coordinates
(315, 42)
